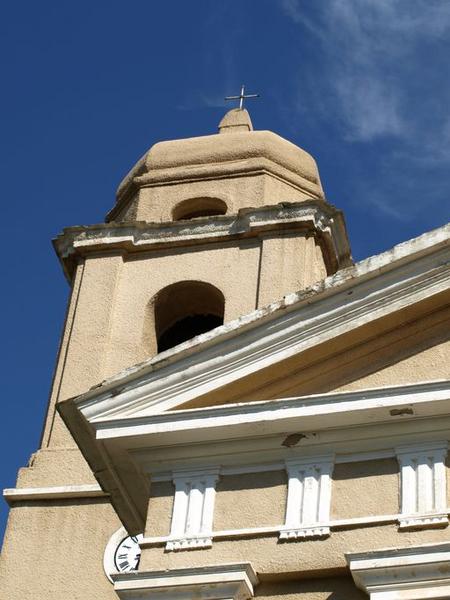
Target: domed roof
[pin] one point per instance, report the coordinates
(236, 150)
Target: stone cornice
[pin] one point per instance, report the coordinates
(215, 582)
(316, 217)
(411, 573)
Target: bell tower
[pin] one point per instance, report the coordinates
(203, 232)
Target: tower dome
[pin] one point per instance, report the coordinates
(238, 166)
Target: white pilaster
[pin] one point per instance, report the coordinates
(193, 509)
(309, 497)
(423, 485)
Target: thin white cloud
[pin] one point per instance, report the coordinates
(364, 46)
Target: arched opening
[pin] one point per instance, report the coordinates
(186, 309)
(198, 207)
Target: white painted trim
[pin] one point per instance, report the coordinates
(215, 582)
(309, 497)
(193, 509)
(274, 529)
(423, 485)
(318, 411)
(280, 465)
(412, 573)
(53, 493)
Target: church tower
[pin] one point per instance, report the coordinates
(216, 298)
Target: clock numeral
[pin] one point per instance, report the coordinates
(124, 564)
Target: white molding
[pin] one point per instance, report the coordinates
(423, 485)
(53, 492)
(250, 532)
(309, 497)
(215, 582)
(193, 509)
(413, 573)
(157, 477)
(303, 413)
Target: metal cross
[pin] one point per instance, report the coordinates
(242, 96)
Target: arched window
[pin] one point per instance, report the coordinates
(198, 207)
(186, 309)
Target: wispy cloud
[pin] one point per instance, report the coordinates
(367, 48)
(376, 73)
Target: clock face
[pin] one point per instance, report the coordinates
(128, 553)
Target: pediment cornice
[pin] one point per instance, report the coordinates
(376, 289)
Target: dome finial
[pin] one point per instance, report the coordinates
(235, 121)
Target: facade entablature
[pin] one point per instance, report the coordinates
(308, 435)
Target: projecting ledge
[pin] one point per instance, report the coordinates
(413, 573)
(213, 582)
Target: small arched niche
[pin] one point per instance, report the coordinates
(186, 309)
(199, 207)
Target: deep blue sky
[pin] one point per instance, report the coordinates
(87, 87)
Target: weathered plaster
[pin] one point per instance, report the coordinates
(250, 500)
(160, 508)
(365, 488)
(54, 550)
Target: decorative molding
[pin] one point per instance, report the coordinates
(193, 509)
(309, 497)
(413, 573)
(423, 485)
(242, 469)
(344, 422)
(215, 582)
(251, 532)
(53, 493)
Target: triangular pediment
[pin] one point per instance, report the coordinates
(256, 356)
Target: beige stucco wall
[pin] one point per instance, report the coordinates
(54, 550)
(427, 365)
(156, 203)
(55, 466)
(387, 352)
(250, 500)
(160, 505)
(289, 262)
(365, 488)
(269, 556)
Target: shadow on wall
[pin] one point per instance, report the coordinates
(322, 588)
(198, 207)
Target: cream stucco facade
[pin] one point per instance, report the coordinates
(299, 440)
